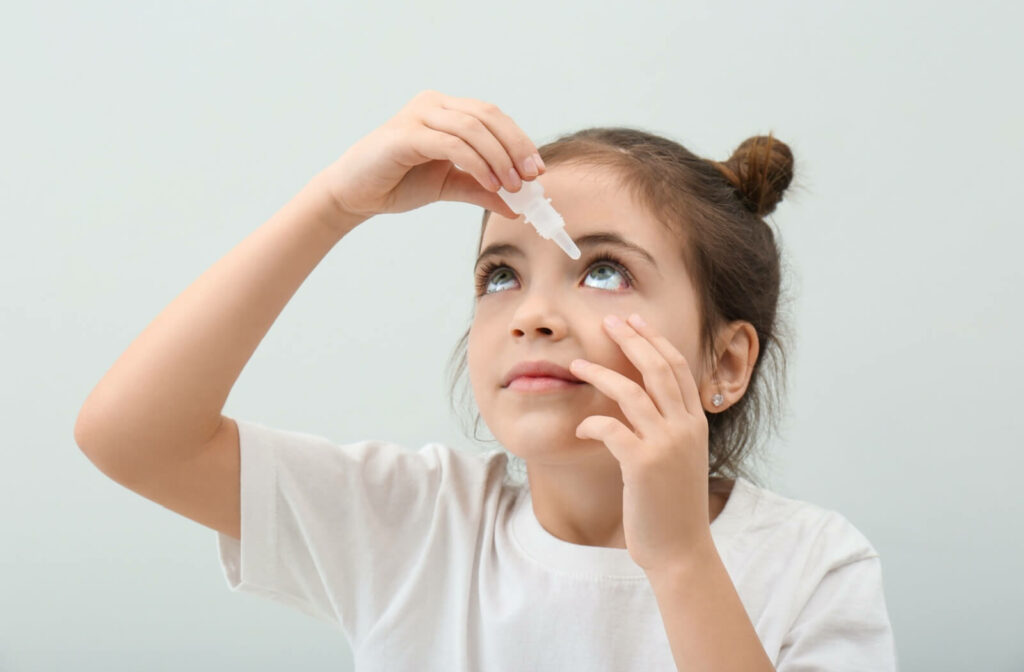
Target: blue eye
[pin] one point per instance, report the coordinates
(602, 260)
(484, 276)
(615, 267)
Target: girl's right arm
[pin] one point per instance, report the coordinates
(153, 422)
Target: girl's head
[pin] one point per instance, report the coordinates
(704, 271)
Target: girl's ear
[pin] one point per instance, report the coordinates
(737, 350)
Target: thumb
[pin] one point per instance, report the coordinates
(462, 186)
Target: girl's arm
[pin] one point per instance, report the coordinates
(153, 422)
(160, 403)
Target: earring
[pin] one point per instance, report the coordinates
(717, 399)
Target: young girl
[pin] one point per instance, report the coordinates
(636, 542)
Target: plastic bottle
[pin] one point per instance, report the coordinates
(530, 201)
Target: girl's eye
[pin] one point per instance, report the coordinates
(610, 269)
(483, 277)
(601, 262)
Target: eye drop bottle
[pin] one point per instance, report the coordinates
(530, 202)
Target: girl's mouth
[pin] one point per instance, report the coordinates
(541, 384)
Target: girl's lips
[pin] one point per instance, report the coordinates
(539, 368)
(540, 384)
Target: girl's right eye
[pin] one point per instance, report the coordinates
(483, 276)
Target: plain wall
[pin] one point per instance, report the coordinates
(142, 141)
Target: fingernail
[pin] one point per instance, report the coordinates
(539, 161)
(514, 179)
(578, 364)
(637, 320)
(612, 321)
(529, 167)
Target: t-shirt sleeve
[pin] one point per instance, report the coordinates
(330, 529)
(844, 624)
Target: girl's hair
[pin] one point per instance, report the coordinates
(717, 212)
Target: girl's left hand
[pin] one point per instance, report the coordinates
(665, 511)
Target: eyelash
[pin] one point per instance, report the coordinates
(491, 265)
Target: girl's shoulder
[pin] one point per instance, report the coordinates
(797, 522)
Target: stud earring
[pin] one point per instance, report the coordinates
(717, 399)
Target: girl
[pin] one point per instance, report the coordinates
(636, 542)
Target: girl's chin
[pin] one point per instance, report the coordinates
(536, 440)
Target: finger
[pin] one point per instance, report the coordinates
(620, 440)
(687, 383)
(474, 133)
(517, 144)
(634, 401)
(660, 377)
(443, 146)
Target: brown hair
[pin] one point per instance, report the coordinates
(717, 210)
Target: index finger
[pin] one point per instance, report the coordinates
(684, 375)
(513, 139)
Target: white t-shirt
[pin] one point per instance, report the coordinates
(425, 560)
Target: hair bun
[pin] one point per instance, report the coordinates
(760, 169)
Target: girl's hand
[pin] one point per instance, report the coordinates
(664, 458)
(410, 160)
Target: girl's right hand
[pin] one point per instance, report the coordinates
(410, 160)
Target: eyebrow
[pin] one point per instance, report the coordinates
(583, 242)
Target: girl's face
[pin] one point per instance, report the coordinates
(538, 304)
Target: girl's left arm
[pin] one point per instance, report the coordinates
(707, 625)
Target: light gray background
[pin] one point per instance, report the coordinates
(142, 141)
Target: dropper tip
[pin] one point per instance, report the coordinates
(565, 242)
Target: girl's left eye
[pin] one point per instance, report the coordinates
(483, 276)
